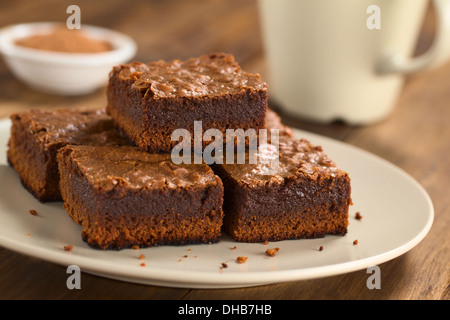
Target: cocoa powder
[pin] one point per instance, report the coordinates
(65, 40)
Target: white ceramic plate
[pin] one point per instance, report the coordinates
(397, 215)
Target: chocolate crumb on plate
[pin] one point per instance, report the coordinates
(33, 212)
(272, 252)
(241, 259)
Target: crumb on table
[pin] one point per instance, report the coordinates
(355, 242)
(33, 212)
(358, 216)
(69, 247)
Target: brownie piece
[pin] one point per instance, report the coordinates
(273, 121)
(36, 136)
(305, 196)
(124, 197)
(149, 101)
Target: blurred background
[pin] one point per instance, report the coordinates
(162, 30)
(169, 29)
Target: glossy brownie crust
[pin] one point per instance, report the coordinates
(36, 136)
(273, 121)
(149, 101)
(308, 197)
(123, 197)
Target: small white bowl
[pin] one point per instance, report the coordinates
(59, 72)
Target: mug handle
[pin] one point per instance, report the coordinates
(438, 53)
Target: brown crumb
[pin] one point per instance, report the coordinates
(355, 242)
(241, 259)
(321, 248)
(33, 212)
(189, 249)
(224, 265)
(272, 252)
(266, 243)
(28, 234)
(143, 264)
(179, 260)
(358, 216)
(68, 247)
(141, 257)
(135, 247)
(233, 248)
(185, 256)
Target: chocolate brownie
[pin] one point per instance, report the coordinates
(123, 197)
(273, 121)
(305, 196)
(149, 101)
(36, 136)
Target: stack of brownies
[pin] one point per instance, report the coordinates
(114, 171)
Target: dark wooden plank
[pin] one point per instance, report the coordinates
(23, 277)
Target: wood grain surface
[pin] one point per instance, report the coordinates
(416, 138)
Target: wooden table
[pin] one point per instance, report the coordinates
(416, 138)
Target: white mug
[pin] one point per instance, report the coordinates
(346, 59)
